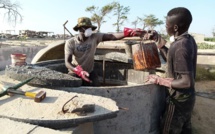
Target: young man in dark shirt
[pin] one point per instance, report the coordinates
(181, 71)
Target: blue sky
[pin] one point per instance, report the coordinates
(49, 15)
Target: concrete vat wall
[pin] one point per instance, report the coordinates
(144, 103)
(5, 53)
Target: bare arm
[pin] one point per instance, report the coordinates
(127, 32)
(163, 52)
(184, 82)
(161, 46)
(68, 50)
(115, 36)
(68, 60)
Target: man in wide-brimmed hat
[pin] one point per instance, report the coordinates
(80, 50)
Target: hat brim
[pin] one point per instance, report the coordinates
(77, 27)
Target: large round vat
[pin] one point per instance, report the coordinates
(141, 108)
(141, 105)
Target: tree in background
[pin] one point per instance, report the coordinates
(150, 21)
(98, 15)
(120, 11)
(135, 22)
(11, 11)
(213, 32)
(141, 20)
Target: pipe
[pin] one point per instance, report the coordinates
(64, 26)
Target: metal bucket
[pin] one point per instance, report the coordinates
(18, 59)
(145, 55)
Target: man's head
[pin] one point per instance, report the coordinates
(84, 23)
(178, 20)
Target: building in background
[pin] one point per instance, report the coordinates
(27, 33)
(199, 38)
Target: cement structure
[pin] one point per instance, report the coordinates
(48, 113)
(43, 77)
(11, 127)
(124, 85)
(144, 102)
(121, 83)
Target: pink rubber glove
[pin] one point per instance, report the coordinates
(155, 79)
(129, 32)
(81, 73)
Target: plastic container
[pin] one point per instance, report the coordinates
(145, 55)
(18, 59)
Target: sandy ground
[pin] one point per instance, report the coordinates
(35, 42)
(203, 117)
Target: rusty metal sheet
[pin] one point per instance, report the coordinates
(145, 56)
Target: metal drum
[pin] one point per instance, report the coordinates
(145, 55)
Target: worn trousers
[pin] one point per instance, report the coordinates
(177, 117)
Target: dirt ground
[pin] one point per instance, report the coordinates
(203, 118)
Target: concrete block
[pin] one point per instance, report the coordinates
(138, 77)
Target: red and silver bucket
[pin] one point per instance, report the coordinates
(18, 59)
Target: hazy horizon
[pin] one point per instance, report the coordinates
(51, 15)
